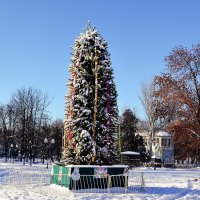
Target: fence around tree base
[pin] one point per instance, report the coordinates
(94, 175)
(123, 183)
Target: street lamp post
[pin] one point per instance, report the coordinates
(11, 152)
(119, 138)
(30, 152)
(48, 148)
(15, 152)
(17, 149)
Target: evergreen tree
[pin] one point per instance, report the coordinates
(130, 141)
(91, 103)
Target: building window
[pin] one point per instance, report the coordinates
(169, 143)
(163, 140)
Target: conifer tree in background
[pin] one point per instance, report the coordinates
(130, 141)
(91, 103)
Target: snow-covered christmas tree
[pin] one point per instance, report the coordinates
(90, 135)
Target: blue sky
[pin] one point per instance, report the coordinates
(36, 35)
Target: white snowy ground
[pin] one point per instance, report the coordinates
(161, 184)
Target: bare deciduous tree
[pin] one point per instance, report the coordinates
(31, 107)
(148, 101)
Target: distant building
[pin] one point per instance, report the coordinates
(162, 147)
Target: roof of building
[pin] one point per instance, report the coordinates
(130, 153)
(163, 134)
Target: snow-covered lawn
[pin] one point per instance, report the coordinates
(162, 184)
